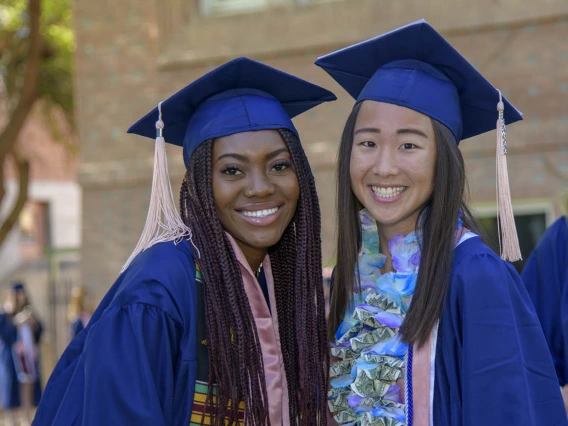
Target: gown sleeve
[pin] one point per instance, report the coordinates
(129, 361)
(507, 373)
(545, 276)
(124, 375)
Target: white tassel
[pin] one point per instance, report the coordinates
(508, 239)
(163, 222)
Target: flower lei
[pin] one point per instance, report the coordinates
(363, 386)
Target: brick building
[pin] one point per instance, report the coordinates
(131, 54)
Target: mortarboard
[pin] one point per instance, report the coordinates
(240, 96)
(18, 287)
(415, 67)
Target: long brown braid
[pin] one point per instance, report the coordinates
(234, 353)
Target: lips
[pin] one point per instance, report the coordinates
(387, 194)
(261, 214)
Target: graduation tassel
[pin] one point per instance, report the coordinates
(163, 222)
(508, 239)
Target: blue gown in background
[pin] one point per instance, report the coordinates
(546, 278)
(135, 363)
(76, 327)
(492, 365)
(9, 385)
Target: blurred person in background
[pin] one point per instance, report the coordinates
(79, 311)
(218, 317)
(20, 333)
(546, 277)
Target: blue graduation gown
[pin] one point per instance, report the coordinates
(76, 327)
(492, 365)
(546, 278)
(9, 385)
(135, 362)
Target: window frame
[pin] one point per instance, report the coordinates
(209, 8)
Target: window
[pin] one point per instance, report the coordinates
(312, 1)
(34, 230)
(231, 7)
(531, 222)
(226, 7)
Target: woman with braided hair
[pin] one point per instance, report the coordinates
(218, 317)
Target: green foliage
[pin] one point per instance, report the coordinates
(55, 77)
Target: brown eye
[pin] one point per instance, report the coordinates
(407, 146)
(369, 144)
(231, 170)
(281, 166)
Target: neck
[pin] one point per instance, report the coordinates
(253, 255)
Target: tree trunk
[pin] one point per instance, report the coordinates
(26, 100)
(29, 89)
(23, 167)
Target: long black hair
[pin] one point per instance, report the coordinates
(235, 357)
(438, 218)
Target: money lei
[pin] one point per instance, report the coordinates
(364, 390)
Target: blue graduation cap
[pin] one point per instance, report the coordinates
(239, 96)
(18, 287)
(415, 67)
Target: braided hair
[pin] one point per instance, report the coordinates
(234, 352)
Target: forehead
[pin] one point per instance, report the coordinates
(381, 114)
(249, 144)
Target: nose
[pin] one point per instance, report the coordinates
(259, 185)
(385, 164)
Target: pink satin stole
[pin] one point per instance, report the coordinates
(267, 328)
(422, 372)
(421, 363)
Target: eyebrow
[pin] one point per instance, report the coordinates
(367, 130)
(273, 154)
(245, 159)
(399, 131)
(233, 155)
(412, 132)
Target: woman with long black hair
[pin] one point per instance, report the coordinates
(430, 327)
(219, 315)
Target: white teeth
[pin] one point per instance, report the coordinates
(260, 213)
(389, 192)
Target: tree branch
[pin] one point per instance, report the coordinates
(23, 167)
(29, 88)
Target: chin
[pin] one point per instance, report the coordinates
(262, 242)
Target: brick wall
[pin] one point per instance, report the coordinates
(129, 56)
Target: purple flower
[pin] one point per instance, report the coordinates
(405, 255)
(389, 320)
(354, 400)
(393, 394)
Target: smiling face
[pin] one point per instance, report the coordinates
(392, 164)
(255, 189)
